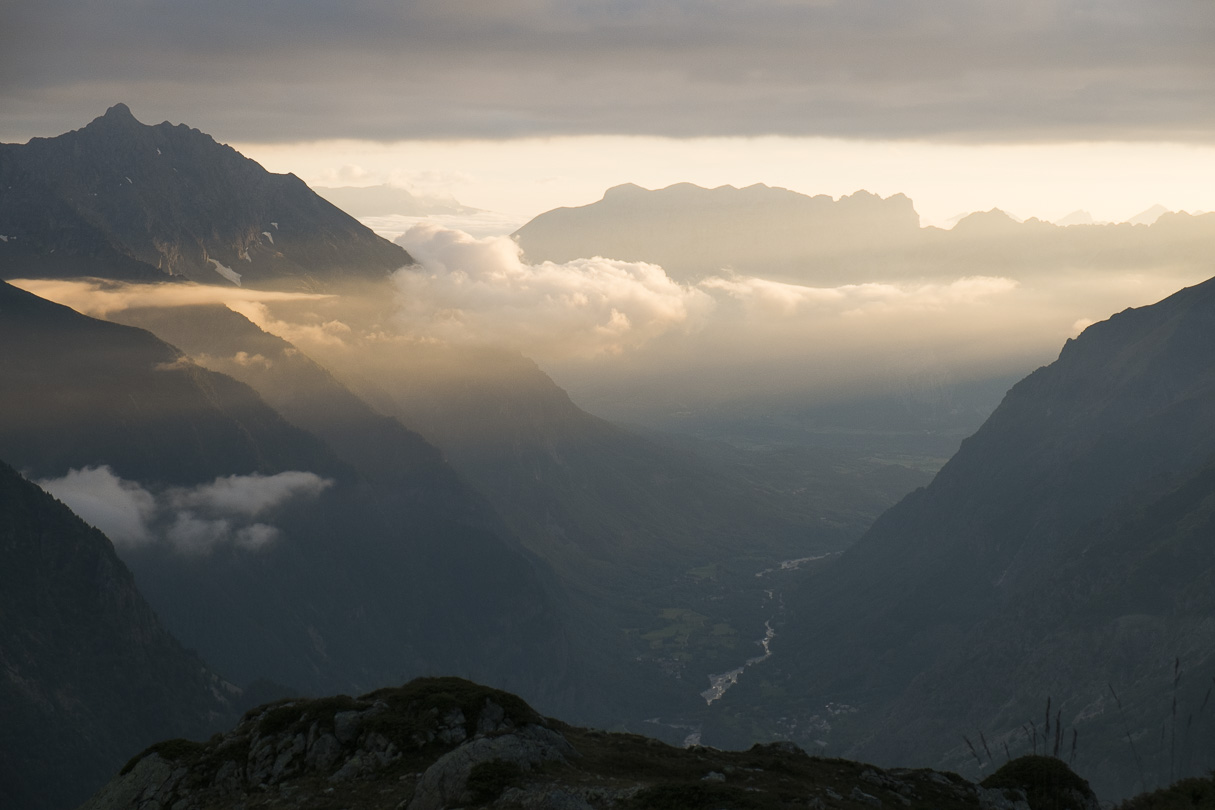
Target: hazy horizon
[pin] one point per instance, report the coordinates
(522, 178)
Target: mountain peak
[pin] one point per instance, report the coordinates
(624, 189)
(175, 202)
(1077, 217)
(118, 115)
(1149, 216)
(995, 222)
(119, 111)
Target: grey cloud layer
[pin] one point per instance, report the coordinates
(969, 69)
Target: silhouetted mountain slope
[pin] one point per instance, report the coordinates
(388, 455)
(694, 232)
(76, 391)
(89, 675)
(1063, 549)
(257, 545)
(588, 486)
(1132, 600)
(158, 201)
(406, 478)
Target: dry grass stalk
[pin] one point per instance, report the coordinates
(1127, 729)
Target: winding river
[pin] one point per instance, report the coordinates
(718, 684)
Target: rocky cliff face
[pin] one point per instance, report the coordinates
(122, 200)
(88, 675)
(443, 742)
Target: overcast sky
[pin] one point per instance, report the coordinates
(286, 70)
(538, 85)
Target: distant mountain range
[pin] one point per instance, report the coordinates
(695, 232)
(1063, 553)
(1148, 216)
(779, 234)
(144, 203)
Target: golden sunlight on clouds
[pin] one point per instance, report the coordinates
(100, 298)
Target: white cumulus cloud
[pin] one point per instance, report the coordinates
(249, 495)
(194, 520)
(474, 290)
(191, 534)
(119, 508)
(480, 290)
(100, 298)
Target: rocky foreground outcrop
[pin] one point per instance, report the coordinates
(445, 743)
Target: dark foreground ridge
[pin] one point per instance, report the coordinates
(446, 742)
